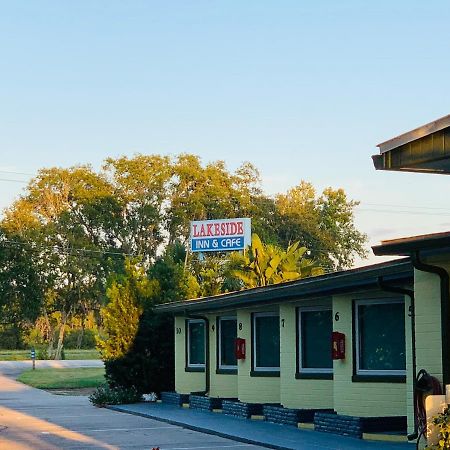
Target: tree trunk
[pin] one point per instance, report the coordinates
(59, 347)
(50, 336)
(80, 337)
(62, 330)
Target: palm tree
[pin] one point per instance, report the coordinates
(263, 264)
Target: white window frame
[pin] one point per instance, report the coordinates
(308, 370)
(255, 316)
(357, 343)
(219, 346)
(188, 343)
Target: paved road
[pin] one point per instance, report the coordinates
(31, 419)
(14, 368)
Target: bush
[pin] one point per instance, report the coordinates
(73, 337)
(442, 423)
(148, 365)
(42, 353)
(105, 395)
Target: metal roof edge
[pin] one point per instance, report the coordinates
(417, 133)
(405, 246)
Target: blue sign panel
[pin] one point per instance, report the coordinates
(217, 244)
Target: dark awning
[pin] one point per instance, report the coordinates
(425, 149)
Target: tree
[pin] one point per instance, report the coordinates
(210, 192)
(324, 224)
(81, 224)
(148, 365)
(20, 285)
(174, 277)
(263, 265)
(138, 351)
(128, 295)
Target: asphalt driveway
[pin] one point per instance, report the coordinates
(31, 419)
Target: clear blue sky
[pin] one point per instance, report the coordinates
(304, 90)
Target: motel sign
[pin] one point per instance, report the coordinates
(220, 235)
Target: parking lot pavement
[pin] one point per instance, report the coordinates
(31, 419)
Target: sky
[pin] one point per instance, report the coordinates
(303, 90)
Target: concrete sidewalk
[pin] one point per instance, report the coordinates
(252, 431)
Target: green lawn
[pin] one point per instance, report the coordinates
(64, 378)
(20, 355)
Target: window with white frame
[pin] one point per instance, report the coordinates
(380, 337)
(227, 336)
(195, 344)
(315, 326)
(266, 342)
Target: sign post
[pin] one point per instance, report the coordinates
(33, 357)
(222, 235)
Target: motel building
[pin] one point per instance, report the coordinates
(338, 352)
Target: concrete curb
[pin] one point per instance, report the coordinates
(197, 428)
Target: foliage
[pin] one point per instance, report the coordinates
(263, 264)
(175, 281)
(127, 295)
(74, 227)
(42, 354)
(105, 395)
(324, 224)
(10, 338)
(442, 423)
(81, 339)
(148, 365)
(20, 285)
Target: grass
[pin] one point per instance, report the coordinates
(20, 355)
(86, 377)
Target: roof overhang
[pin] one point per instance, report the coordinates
(430, 243)
(425, 149)
(398, 271)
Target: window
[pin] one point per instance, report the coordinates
(314, 346)
(380, 337)
(266, 342)
(195, 347)
(227, 335)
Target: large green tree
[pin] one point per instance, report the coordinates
(324, 223)
(82, 223)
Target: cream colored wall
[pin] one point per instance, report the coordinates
(185, 382)
(428, 322)
(221, 385)
(427, 293)
(299, 393)
(254, 389)
(361, 398)
(341, 393)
